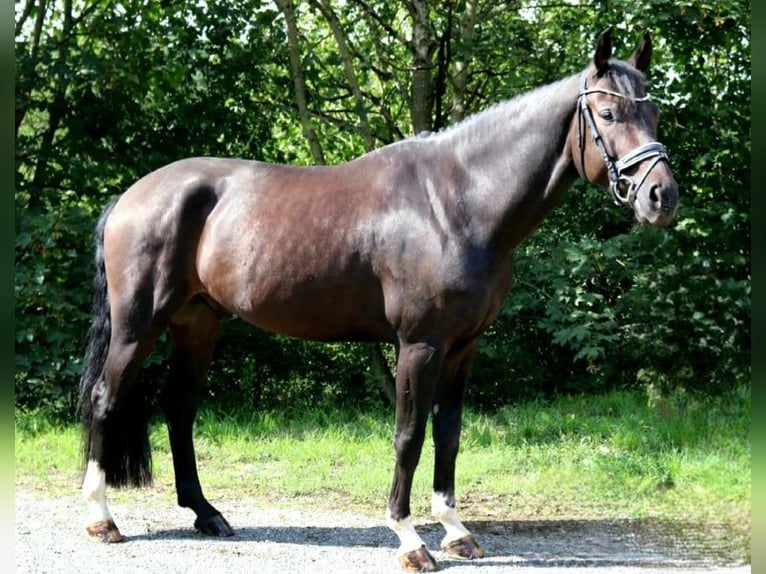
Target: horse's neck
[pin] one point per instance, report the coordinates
(518, 162)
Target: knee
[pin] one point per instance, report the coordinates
(408, 444)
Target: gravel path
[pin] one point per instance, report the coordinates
(159, 538)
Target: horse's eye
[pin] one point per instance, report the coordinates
(606, 115)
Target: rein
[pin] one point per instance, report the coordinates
(625, 194)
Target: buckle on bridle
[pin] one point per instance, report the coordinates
(654, 150)
(626, 197)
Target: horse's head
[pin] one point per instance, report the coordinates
(613, 136)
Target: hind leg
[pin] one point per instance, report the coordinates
(101, 526)
(118, 445)
(194, 330)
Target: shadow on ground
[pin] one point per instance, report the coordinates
(544, 543)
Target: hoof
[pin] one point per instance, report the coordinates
(104, 531)
(214, 525)
(465, 548)
(419, 560)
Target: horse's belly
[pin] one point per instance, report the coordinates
(319, 321)
(311, 307)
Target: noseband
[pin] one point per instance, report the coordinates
(623, 187)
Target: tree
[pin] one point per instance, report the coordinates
(106, 92)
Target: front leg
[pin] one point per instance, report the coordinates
(418, 368)
(458, 541)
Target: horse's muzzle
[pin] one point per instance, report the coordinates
(656, 203)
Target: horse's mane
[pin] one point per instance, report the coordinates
(510, 108)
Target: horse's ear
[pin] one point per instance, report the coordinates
(603, 51)
(642, 55)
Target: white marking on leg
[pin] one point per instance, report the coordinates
(94, 493)
(447, 515)
(408, 538)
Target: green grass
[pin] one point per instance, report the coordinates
(621, 455)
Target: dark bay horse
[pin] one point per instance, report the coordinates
(411, 244)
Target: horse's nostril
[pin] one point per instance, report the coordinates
(655, 194)
(662, 198)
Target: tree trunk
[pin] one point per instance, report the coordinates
(22, 91)
(381, 371)
(57, 107)
(348, 69)
(460, 76)
(299, 82)
(422, 48)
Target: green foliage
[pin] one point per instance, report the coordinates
(630, 310)
(263, 371)
(108, 92)
(51, 305)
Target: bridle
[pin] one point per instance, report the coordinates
(622, 186)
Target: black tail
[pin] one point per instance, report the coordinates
(124, 454)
